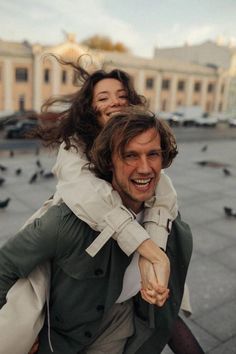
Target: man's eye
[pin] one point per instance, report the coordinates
(155, 154)
(130, 156)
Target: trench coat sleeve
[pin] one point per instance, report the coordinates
(30, 247)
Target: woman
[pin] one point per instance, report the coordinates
(100, 95)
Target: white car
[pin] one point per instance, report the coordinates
(232, 122)
(206, 121)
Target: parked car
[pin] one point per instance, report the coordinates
(20, 129)
(12, 118)
(171, 118)
(206, 121)
(232, 122)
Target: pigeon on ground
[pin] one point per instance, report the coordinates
(202, 163)
(33, 178)
(18, 171)
(229, 211)
(2, 180)
(4, 203)
(3, 168)
(38, 163)
(204, 148)
(226, 172)
(48, 175)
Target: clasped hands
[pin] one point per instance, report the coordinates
(155, 278)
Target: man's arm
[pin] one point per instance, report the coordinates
(30, 247)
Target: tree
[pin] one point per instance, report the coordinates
(104, 43)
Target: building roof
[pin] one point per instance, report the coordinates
(22, 49)
(208, 53)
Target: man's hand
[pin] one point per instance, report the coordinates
(35, 347)
(156, 296)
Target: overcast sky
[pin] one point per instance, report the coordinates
(139, 24)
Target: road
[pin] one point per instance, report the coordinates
(183, 134)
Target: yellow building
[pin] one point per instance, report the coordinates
(28, 77)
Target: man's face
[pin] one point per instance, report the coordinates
(108, 97)
(136, 175)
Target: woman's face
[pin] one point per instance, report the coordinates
(108, 96)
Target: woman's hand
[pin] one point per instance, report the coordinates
(161, 264)
(35, 347)
(151, 291)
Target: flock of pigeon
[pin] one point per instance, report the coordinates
(229, 212)
(39, 173)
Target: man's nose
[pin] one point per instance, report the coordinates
(143, 165)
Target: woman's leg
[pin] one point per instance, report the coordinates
(182, 340)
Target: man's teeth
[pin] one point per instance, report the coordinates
(142, 181)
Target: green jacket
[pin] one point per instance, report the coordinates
(83, 289)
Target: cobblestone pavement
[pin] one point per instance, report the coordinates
(203, 191)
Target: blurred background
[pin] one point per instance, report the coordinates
(181, 56)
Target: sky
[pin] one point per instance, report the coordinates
(141, 25)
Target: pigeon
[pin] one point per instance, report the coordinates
(204, 148)
(202, 163)
(18, 171)
(4, 203)
(3, 168)
(2, 180)
(48, 175)
(38, 163)
(226, 172)
(229, 211)
(33, 178)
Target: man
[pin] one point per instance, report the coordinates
(94, 304)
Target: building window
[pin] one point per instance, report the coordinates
(197, 86)
(149, 83)
(220, 107)
(64, 76)
(210, 87)
(165, 84)
(21, 103)
(21, 74)
(208, 106)
(163, 105)
(181, 85)
(196, 103)
(222, 88)
(46, 76)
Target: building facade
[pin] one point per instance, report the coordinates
(28, 76)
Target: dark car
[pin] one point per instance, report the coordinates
(19, 130)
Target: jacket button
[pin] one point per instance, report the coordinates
(88, 334)
(100, 308)
(98, 271)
